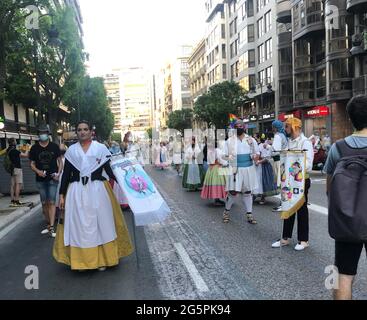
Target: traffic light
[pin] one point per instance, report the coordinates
(2, 123)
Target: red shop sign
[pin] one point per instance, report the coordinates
(319, 111)
(285, 116)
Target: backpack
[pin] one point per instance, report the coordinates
(8, 165)
(348, 195)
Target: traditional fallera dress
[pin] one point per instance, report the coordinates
(265, 175)
(94, 233)
(193, 176)
(244, 178)
(215, 178)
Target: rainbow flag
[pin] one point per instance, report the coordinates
(232, 120)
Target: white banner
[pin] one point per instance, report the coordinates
(292, 181)
(145, 201)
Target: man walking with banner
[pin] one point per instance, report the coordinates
(295, 166)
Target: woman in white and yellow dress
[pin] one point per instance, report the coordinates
(94, 234)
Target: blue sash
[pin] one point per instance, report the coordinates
(244, 161)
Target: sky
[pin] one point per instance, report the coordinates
(146, 33)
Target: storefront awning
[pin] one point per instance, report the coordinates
(25, 136)
(12, 135)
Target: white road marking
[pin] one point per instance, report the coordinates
(194, 273)
(17, 222)
(319, 209)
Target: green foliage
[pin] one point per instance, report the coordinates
(180, 120)
(150, 133)
(91, 103)
(116, 136)
(221, 100)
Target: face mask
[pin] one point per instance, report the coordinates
(62, 152)
(44, 137)
(240, 131)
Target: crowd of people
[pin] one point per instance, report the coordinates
(79, 184)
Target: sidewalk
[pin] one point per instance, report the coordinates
(8, 215)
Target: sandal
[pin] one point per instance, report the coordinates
(225, 216)
(251, 219)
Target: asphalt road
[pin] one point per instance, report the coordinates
(192, 255)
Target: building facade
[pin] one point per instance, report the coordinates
(252, 37)
(322, 43)
(197, 66)
(136, 100)
(112, 86)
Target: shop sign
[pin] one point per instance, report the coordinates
(285, 116)
(246, 120)
(319, 111)
(253, 118)
(267, 116)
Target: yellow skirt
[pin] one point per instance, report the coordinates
(106, 255)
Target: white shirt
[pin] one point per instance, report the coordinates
(216, 154)
(302, 143)
(279, 143)
(235, 146)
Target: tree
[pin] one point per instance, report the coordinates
(11, 13)
(224, 98)
(91, 104)
(116, 136)
(180, 120)
(150, 133)
(201, 110)
(32, 63)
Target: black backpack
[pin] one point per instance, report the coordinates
(348, 195)
(8, 165)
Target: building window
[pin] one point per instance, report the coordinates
(260, 27)
(224, 56)
(243, 37)
(261, 53)
(267, 19)
(251, 58)
(269, 75)
(250, 8)
(252, 81)
(268, 49)
(251, 33)
(224, 66)
(223, 31)
(261, 76)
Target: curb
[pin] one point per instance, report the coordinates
(20, 215)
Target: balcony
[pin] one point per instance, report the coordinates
(311, 25)
(357, 6)
(360, 85)
(285, 70)
(340, 89)
(284, 14)
(284, 38)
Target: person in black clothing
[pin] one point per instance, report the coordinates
(16, 181)
(46, 162)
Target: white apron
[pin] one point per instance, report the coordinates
(89, 218)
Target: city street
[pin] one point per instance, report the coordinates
(192, 255)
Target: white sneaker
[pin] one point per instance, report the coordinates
(45, 231)
(52, 233)
(277, 209)
(301, 246)
(280, 243)
(102, 269)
